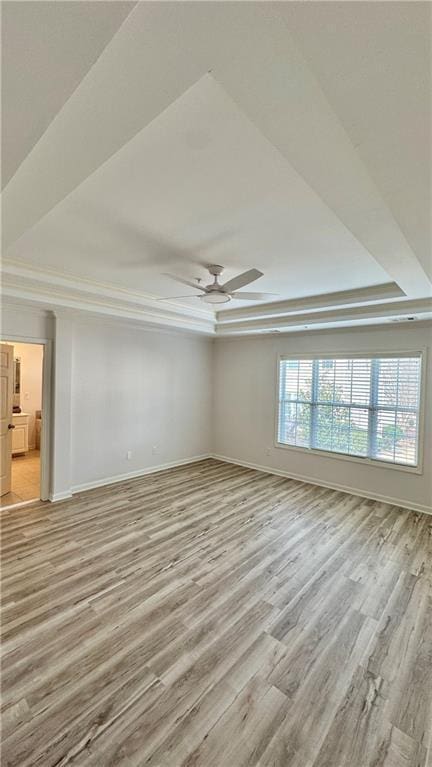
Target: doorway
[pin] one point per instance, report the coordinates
(22, 409)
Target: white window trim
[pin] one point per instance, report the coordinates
(374, 462)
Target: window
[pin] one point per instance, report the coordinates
(363, 406)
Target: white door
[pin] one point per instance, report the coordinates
(6, 401)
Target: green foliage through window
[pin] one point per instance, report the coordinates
(367, 407)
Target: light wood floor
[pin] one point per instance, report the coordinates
(213, 616)
(25, 479)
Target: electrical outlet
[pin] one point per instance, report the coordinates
(129, 455)
(27, 395)
(268, 450)
(155, 450)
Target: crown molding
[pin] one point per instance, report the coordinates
(58, 293)
(81, 286)
(388, 290)
(370, 314)
(324, 330)
(47, 300)
(53, 291)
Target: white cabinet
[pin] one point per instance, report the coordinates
(20, 434)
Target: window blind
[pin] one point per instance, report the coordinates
(362, 406)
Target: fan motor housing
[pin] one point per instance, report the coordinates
(215, 270)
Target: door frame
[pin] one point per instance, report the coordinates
(7, 371)
(45, 452)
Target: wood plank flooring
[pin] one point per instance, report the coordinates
(214, 616)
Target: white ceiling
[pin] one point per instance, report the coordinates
(47, 48)
(200, 184)
(290, 137)
(381, 94)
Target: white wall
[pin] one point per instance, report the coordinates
(118, 388)
(136, 389)
(245, 401)
(26, 321)
(31, 382)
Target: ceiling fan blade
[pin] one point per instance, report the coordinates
(244, 296)
(189, 283)
(171, 298)
(241, 280)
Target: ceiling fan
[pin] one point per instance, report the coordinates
(215, 293)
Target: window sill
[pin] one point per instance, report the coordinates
(377, 464)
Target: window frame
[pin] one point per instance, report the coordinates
(365, 461)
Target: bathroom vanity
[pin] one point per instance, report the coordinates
(20, 434)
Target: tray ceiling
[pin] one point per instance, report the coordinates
(290, 137)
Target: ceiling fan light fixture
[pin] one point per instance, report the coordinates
(215, 293)
(215, 298)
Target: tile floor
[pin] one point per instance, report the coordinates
(25, 479)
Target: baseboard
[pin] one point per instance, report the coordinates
(54, 497)
(135, 474)
(332, 486)
(257, 467)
